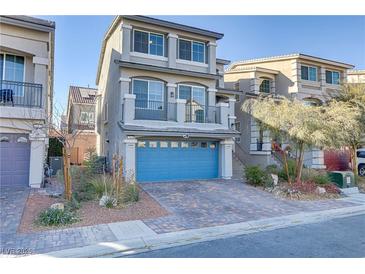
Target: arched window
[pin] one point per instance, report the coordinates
(265, 86)
(22, 140)
(4, 139)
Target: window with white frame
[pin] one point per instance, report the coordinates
(12, 68)
(87, 117)
(149, 94)
(332, 77)
(195, 102)
(148, 43)
(309, 73)
(191, 50)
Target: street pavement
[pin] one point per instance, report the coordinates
(338, 238)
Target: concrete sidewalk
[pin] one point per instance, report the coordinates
(135, 237)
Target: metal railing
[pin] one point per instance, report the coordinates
(202, 114)
(155, 110)
(20, 94)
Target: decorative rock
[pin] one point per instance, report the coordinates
(59, 206)
(275, 179)
(320, 190)
(105, 199)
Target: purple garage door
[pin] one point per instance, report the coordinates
(14, 160)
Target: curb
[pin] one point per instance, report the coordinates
(173, 239)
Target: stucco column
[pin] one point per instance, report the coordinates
(224, 113)
(129, 107)
(37, 151)
(296, 75)
(129, 157)
(212, 57)
(41, 77)
(126, 37)
(171, 92)
(171, 49)
(180, 110)
(124, 89)
(211, 96)
(226, 158)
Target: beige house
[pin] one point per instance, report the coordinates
(80, 117)
(304, 77)
(356, 76)
(26, 92)
(163, 106)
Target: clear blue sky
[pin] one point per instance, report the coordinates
(342, 38)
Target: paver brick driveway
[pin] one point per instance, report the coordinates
(216, 202)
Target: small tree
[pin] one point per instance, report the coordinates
(325, 126)
(354, 95)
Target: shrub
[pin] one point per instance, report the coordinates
(55, 217)
(319, 177)
(101, 185)
(256, 176)
(272, 169)
(95, 164)
(291, 167)
(130, 193)
(73, 204)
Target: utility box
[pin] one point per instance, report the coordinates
(343, 179)
(55, 164)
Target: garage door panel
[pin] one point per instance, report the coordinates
(182, 163)
(14, 160)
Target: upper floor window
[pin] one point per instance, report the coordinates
(191, 50)
(12, 69)
(192, 94)
(149, 94)
(87, 117)
(309, 73)
(148, 43)
(332, 77)
(265, 86)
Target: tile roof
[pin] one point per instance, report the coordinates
(83, 95)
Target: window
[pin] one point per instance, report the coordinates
(238, 126)
(87, 117)
(212, 146)
(12, 69)
(191, 51)
(361, 154)
(203, 144)
(148, 43)
(174, 144)
(141, 144)
(152, 144)
(195, 102)
(194, 144)
(149, 94)
(265, 86)
(309, 73)
(164, 144)
(184, 144)
(332, 77)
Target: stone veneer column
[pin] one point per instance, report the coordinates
(125, 41)
(130, 157)
(37, 140)
(226, 158)
(212, 57)
(255, 85)
(172, 49)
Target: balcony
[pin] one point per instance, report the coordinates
(21, 94)
(196, 113)
(155, 110)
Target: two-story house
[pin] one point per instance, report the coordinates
(356, 76)
(80, 119)
(26, 92)
(162, 104)
(304, 77)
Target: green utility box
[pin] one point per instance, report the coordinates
(343, 179)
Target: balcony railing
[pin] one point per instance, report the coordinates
(23, 94)
(155, 110)
(202, 114)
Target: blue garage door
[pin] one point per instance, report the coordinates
(176, 160)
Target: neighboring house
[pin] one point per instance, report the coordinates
(163, 107)
(26, 92)
(304, 77)
(356, 76)
(63, 124)
(80, 118)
